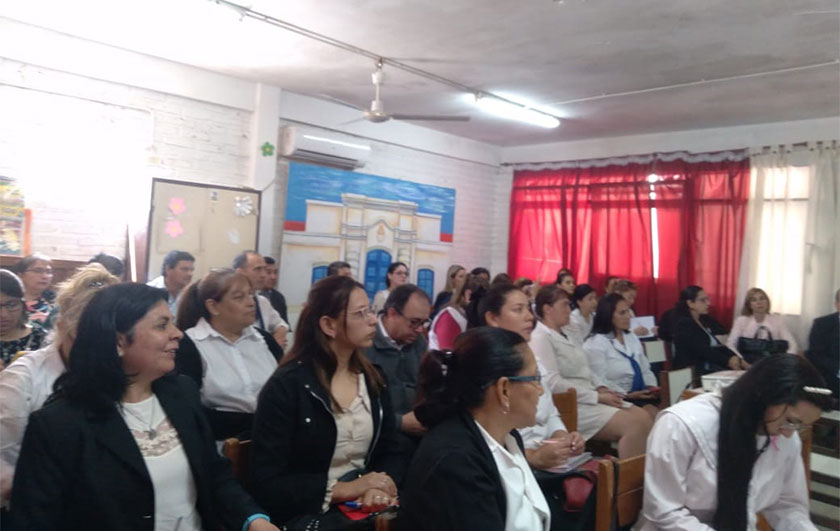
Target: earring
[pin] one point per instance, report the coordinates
(506, 409)
(120, 352)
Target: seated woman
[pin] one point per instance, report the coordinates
(16, 334)
(695, 341)
(452, 320)
(628, 290)
(26, 383)
(325, 432)
(602, 414)
(123, 444)
(585, 300)
(617, 358)
(506, 307)
(35, 271)
(228, 357)
(470, 471)
(757, 321)
(566, 280)
(396, 276)
(455, 277)
(714, 462)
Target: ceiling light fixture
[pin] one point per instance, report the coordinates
(513, 111)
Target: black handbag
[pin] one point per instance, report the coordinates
(754, 348)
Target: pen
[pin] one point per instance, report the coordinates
(353, 504)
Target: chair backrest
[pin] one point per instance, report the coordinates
(655, 351)
(239, 453)
(620, 492)
(566, 404)
(672, 384)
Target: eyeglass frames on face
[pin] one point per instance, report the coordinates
(364, 313)
(531, 378)
(415, 322)
(40, 271)
(11, 306)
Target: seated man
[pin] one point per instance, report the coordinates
(269, 289)
(252, 265)
(824, 347)
(176, 273)
(397, 348)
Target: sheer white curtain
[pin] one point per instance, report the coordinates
(790, 249)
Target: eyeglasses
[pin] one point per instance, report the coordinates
(40, 271)
(416, 323)
(11, 305)
(532, 378)
(363, 313)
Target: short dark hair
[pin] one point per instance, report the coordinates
(25, 262)
(501, 278)
(269, 260)
(581, 291)
(240, 260)
(334, 267)
(480, 271)
(391, 268)
(12, 286)
(110, 262)
(95, 376)
(170, 261)
(451, 382)
(602, 324)
(548, 294)
(399, 296)
(562, 273)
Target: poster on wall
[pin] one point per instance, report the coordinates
(367, 221)
(14, 233)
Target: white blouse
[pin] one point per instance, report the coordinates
(527, 509)
(379, 300)
(548, 418)
(579, 328)
(172, 480)
(233, 373)
(681, 474)
(24, 387)
(608, 359)
(747, 326)
(565, 364)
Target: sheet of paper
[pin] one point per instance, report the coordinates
(572, 463)
(646, 321)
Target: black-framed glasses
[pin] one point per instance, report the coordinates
(415, 322)
(532, 378)
(40, 271)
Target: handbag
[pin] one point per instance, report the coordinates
(754, 348)
(570, 496)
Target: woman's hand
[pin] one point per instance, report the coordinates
(551, 453)
(577, 443)
(644, 394)
(261, 524)
(641, 331)
(352, 490)
(736, 363)
(375, 500)
(609, 398)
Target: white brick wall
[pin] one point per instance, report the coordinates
(191, 140)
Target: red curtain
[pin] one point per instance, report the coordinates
(597, 222)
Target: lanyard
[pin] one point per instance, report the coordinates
(638, 381)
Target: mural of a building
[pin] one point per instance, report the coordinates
(367, 221)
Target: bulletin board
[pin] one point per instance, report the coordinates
(213, 223)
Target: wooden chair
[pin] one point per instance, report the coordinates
(672, 383)
(619, 495)
(239, 453)
(566, 404)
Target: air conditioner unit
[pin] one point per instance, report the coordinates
(323, 148)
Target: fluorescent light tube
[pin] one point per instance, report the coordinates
(337, 142)
(519, 113)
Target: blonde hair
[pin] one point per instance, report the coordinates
(75, 293)
(746, 310)
(451, 273)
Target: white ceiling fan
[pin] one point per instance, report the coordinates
(376, 112)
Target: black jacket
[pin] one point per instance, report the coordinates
(824, 349)
(278, 302)
(224, 424)
(79, 470)
(693, 348)
(453, 482)
(294, 439)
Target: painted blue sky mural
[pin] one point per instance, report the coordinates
(326, 184)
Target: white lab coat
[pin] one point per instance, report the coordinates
(548, 418)
(609, 366)
(681, 474)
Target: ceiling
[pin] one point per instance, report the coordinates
(607, 67)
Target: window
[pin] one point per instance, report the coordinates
(375, 270)
(426, 282)
(781, 247)
(318, 273)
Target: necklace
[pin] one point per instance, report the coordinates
(150, 432)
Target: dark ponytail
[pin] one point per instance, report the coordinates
(484, 301)
(456, 380)
(688, 293)
(780, 379)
